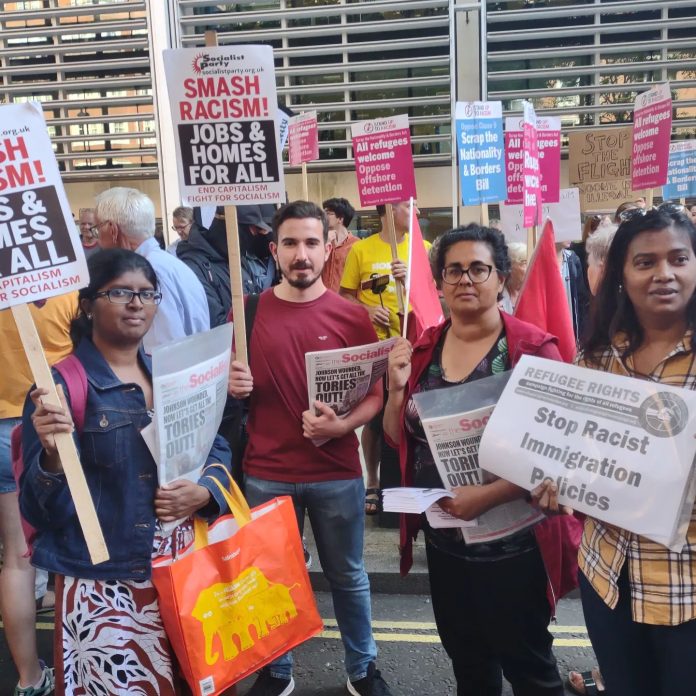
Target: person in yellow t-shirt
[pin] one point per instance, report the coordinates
(17, 580)
(368, 258)
(373, 257)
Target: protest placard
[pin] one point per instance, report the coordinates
(283, 121)
(549, 149)
(599, 164)
(619, 449)
(41, 256)
(565, 216)
(652, 130)
(681, 175)
(383, 160)
(303, 138)
(189, 382)
(40, 251)
(531, 174)
(481, 152)
(342, 377)
(223, 104)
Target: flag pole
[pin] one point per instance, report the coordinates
(410, 265)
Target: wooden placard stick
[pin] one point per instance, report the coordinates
(305, 183)
(531, 240)
(235, 262)
(649, 199)
(485, 221)
(235, 259)
(69, 458)
(391, 234)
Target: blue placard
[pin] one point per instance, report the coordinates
(681, 174)
(481, 152)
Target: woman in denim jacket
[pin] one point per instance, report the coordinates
(107, 615)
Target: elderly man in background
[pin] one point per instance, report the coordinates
(125, 218)
(182, 224)
(89, 240)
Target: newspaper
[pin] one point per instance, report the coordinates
(190, 390)
(342, 378)
(413, 500)
(454, 441)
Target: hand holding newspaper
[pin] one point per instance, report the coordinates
(342, 377)
(453, 430)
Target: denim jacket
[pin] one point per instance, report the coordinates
(121, 475)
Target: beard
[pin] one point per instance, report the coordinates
(302, 282)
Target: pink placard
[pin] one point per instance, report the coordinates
(652, 130)
(549, 148)
(383, 160)
(303, 138)
(531, 183)
(514, 159)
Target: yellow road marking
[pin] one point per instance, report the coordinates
(430, 626)
(435, 639)
(413, 637)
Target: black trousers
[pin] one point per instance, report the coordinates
(493, 617)
(638, 659)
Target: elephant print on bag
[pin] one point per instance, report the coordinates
(229, 610)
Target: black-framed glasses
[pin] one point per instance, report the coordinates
(122, 296)
(477, 273)
(667, 207)
(180, 228)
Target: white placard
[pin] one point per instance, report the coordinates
(224, 107)
(619, 449)
(565, 215)
(41, 255)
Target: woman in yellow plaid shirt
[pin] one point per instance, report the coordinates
(639, 598)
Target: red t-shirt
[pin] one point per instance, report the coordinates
(283, 332)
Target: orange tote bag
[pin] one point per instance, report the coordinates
(240, 598)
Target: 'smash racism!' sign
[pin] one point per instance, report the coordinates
(40, 251)
(619, 449)
(223, 103)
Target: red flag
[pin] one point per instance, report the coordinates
(543, 300)
(420, 285)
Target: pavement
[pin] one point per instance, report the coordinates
(381, 561)
(411, 657)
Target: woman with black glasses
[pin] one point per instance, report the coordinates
(111, 638)
(492, 601)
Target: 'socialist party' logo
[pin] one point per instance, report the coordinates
(205, 64)
(664, 414)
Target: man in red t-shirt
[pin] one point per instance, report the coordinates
(295, 317)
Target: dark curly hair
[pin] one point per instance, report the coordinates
(613, 311)
(474, 233)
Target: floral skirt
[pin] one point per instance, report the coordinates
(110, 640)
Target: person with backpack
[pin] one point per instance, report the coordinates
(21, 593)
(110, 633)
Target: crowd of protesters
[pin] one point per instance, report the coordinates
(493, 602)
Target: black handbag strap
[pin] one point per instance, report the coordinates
(250, 308)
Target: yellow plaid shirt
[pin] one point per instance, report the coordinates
(663, 583)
